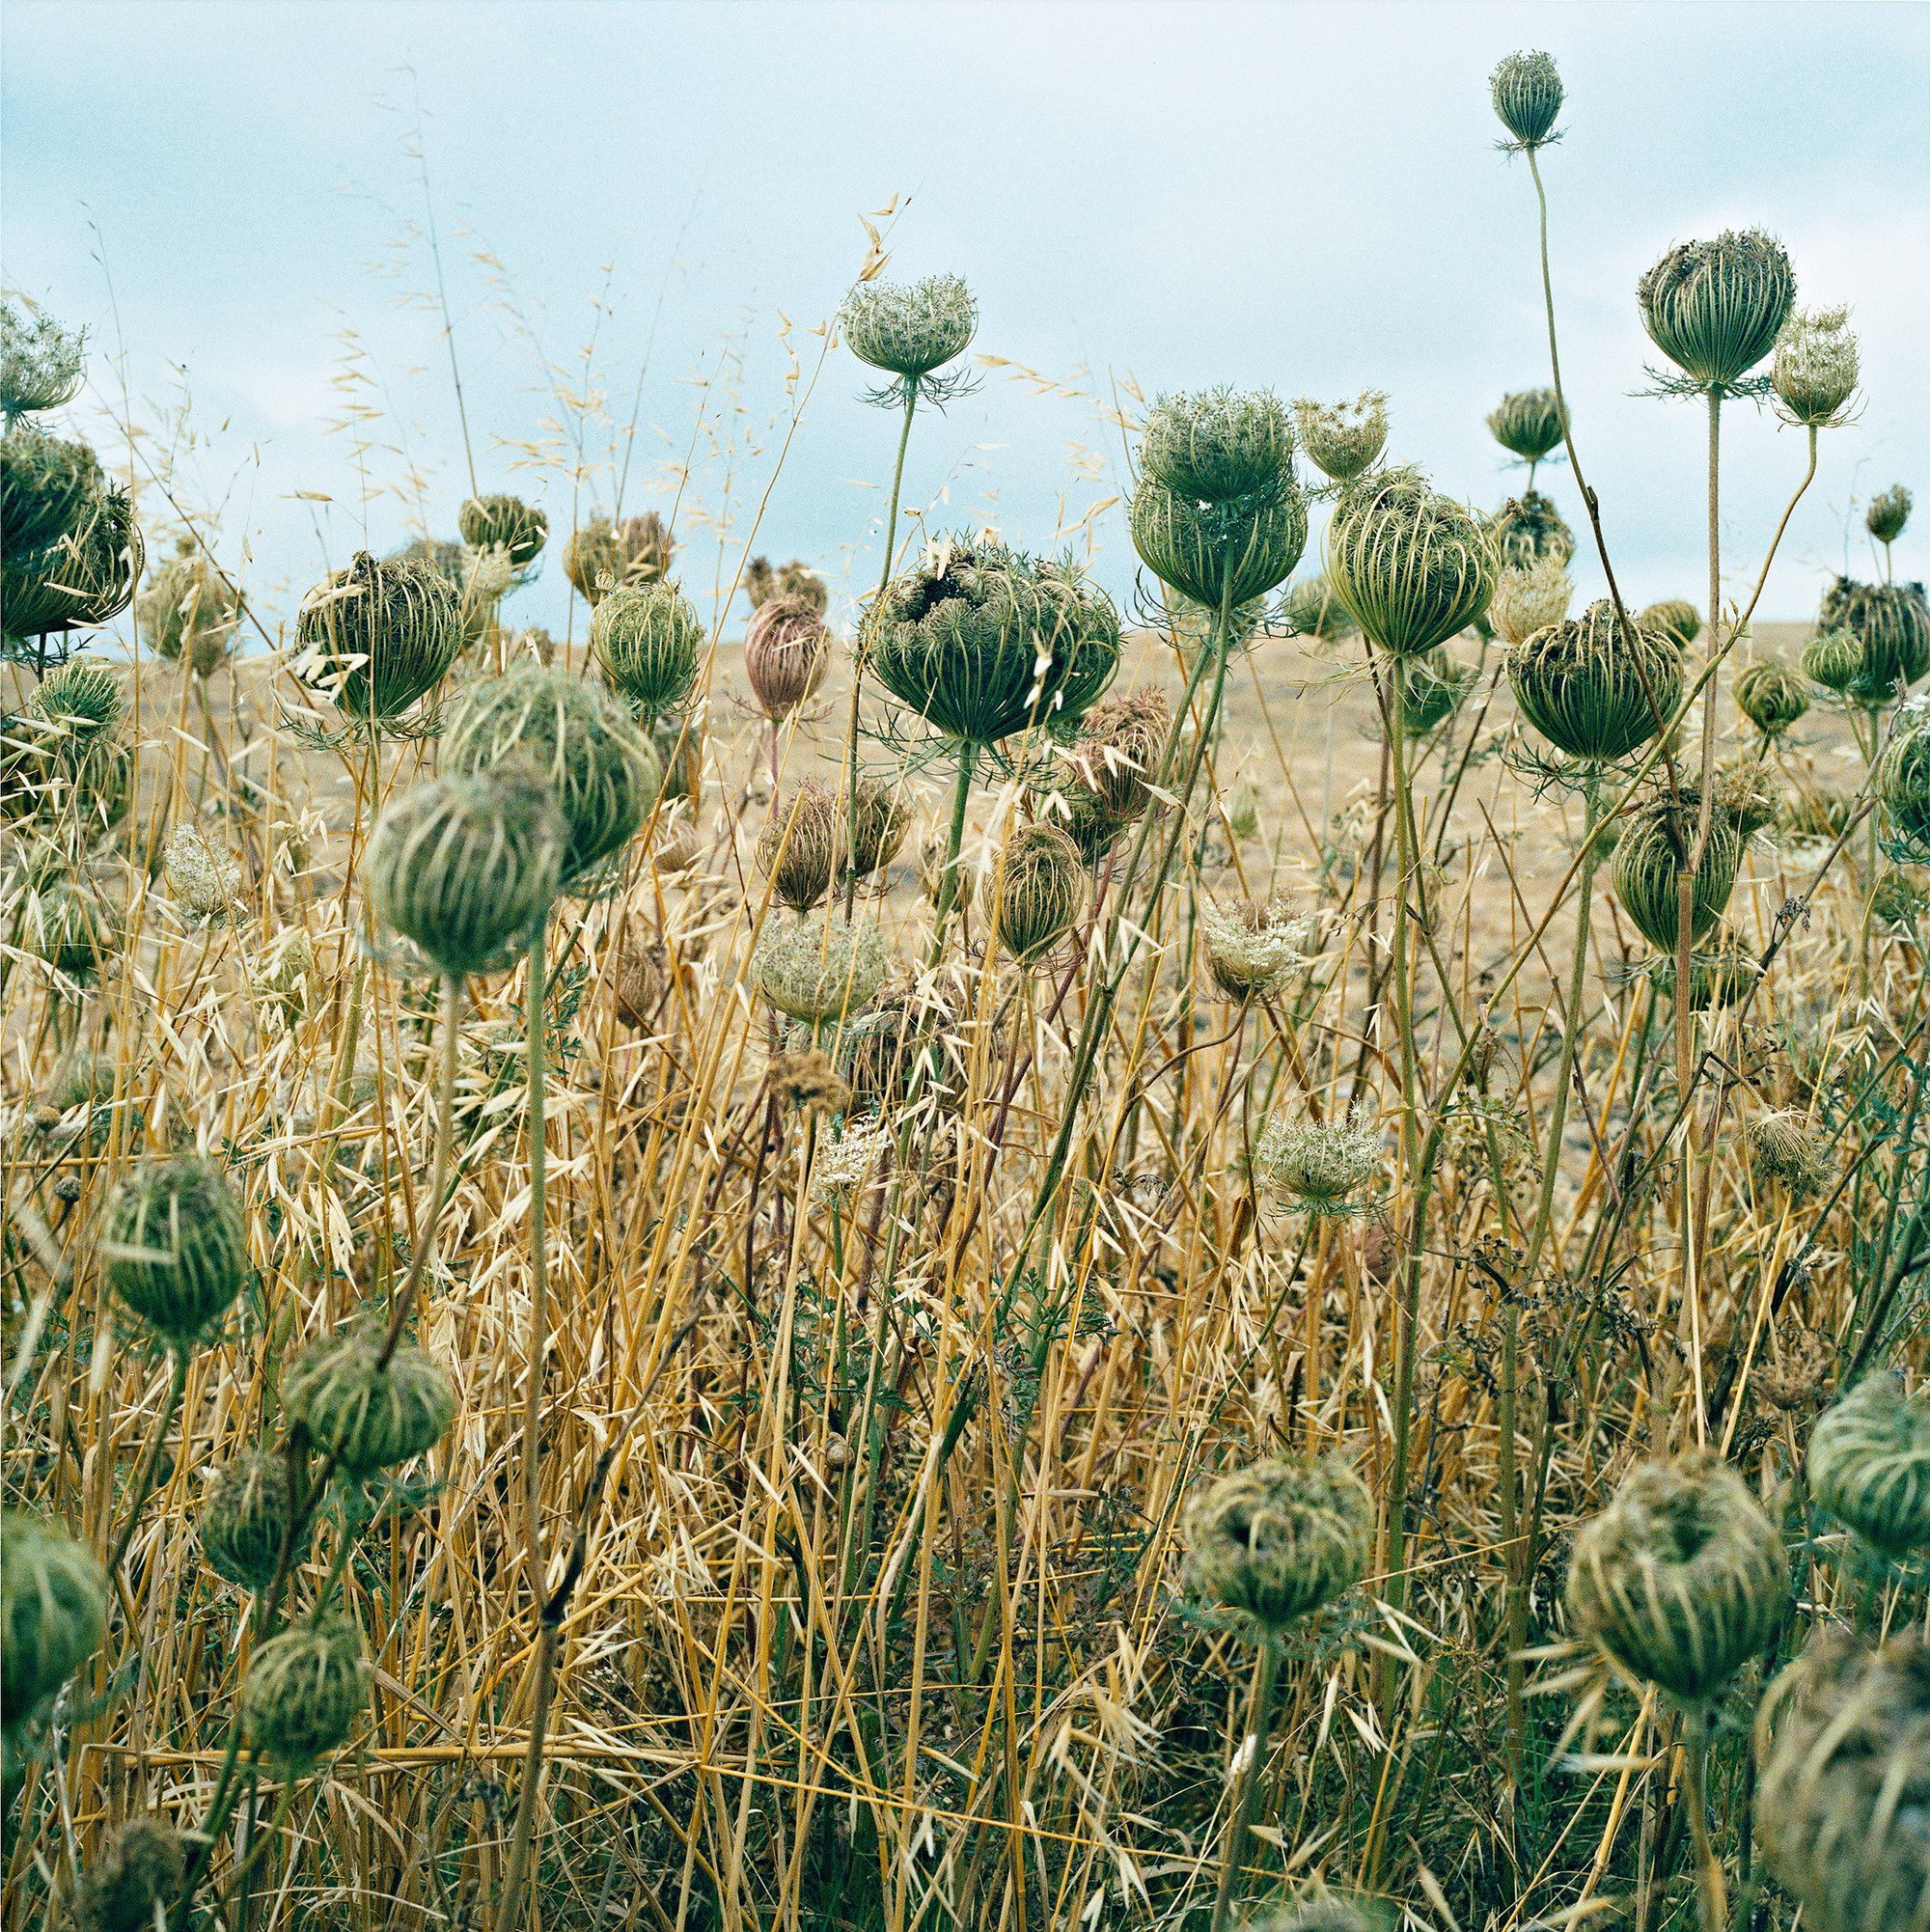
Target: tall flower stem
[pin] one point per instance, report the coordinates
(947, 878)
(1712, 1894)
(858, 656)
(1258, 1727)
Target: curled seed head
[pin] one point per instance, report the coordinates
(650, 640)
(1310, 609)
(1887, 514)
(1675, 617)
(1770, 695)
(176, 1246)
(796, 582)
(367, 1415)
(1835, 661)
(1786, 1152)
(1431, 689)
(1239, 548)
(602, 554)
(189, 612)
(53, 1613)
(1412, 565)
(1716, 308)
(1891, 623)
(303, 1692)
(1903, 785)
(1528, 422)
(1816, 367)
(1869, 1465)
(820, 968)
(1034, 893)
(135, 1879)
(1279, 1539)
(884, 817)
(1319, 1167)
(379, 635)
(1654, 846)
(786, 653)
(1528, 530)
(1529, 598)
(1594, 686)
(1526, 92)
(245, 1516)
(505, 523)
(1217, 445)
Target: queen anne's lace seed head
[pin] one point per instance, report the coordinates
(1278, 1540)
(1816, 367)
(1887, 514)
(1770, 695)
(1676, 617)
(909, 329)
(1343, 439)
(820, 968)
(1528, 422)
(1716, 308)
(1869, 1464)
(1218, 445)
(1319, 1167)
(206, 884)
(1526, 92)
(1529, 598)
(1254, 951)
(1412, 565)
(40, 363)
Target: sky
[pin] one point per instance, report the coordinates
(648, 212)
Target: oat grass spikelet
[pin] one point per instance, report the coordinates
(1280, 1540)
(1412, 565)
(1716, 308)
(303, 1692)
(176, 1246)
(369, 1416)
(53, 1613)
(1869, 1465)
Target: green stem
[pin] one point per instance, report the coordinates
(1712, 1894)
(948, 879)
(1260, 1725)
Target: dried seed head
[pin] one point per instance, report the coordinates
(505, 523)
(1526, 92)
(189, 612)
(288, 980)
(1254, 951)
(69, 923)
(1676, 617)
(843, 1165)
(1887, 514)
(1842, 1754)
(1033, 893)
(1528, 422)
(1749, 793)
(83, 577)
(1218, 445)
(206, 884)
(53, 1613)
(909, 329)
(802, 845)
(1412, 565)
(1529, 598)
(820, 968)
(1310, 609)
(1280, 1540)
(1654, 846)
(1814, 374)
(884, 817)
(1528, 530)
(1716, 308)
(40, 363)
(134, 1882)
(1595, 687)
(367, 1417)
(245, 1517)
(1319, 1167)
(1770, 695)
(810, 1082)
(303, 1692)
(377, 636)
(1681, 1579)
(1104, 783)
(1835, 661)
(465, 867)
(601, 555)
(1869, 1465)
(1795, 1380)
(1343, 439)
(650, 640)
(796, 582)
(786, 653)
(1891, 623)
(176, 1246)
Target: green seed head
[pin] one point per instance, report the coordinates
(176, 1246)
(1676, 617)
(1835, 661)
(1239, 549)
(1596, 687)
(1786, 1152)
(1655, 844)
(70, 926)
(134, 1882)
(1526, 92)
(465, 867)
(1770, 695)
(80, 579)
(1816, 367)
(576, 738)
(82, 699)
(53, 1603)
(46, 485)
(1529, 530)
(1681, 1579)
(303, 1692)
(1343, 439)
(1891, 623)
(40, 363)
(1869, 1465)
(819, 968)
(244, 1518)
(189, 612)
(883, 820)
(1218, 445)
(650, 640)
(1842, 1754)
(786, 653)
(602, 554)
(377, 636)
(909, 329)
(1899, 899)
(1310, 609)
(504, 523)
(366, 1416)
(1412, 567)
(1323, 1910)
(1319, 1167)
(1887, 514)
(1035, 891)
(983, 642)
(1903, 785)
(802, 845)
(1431, 689)
(1278, 1541)
(1716, 308)
(1530, 423)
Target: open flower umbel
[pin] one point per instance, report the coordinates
(1319, 1167)
(1814, 374)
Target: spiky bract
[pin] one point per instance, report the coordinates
(1887, 514)
(1412, 565)
(465, 867)
(603, 555)
(1218, 445)
(303, 1692)
(1526, 90)
(1343, 439)
(1280, 1540)
(1716, 308)
(1676, 617)
(1816, 366)
(365, 1414)
(1869, 1464)
(909, 329)
(983, 641)
(53, 1613)
(378, 635)
(802, 845)
(1655, 845)
(1891, 623)
(786, 653)
(821, 968)
(1770, 695)
(1681, 1579)
(505, 523)
(1033, 892)
(650, 640)
(1528, 422)
(176, 1246)
(245, 1517)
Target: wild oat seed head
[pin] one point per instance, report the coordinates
(1887, 514)
(909, 329)
(204, 883)
(303, 1692)
(1816, 368)
(378, 636)
(1412, 565)
(1526, 92)
(1676, 617)
(135, 1879)
(1319, 1167)
(1716, 308)
(1529, 598)
(1239, 549)
(1655, 845)
(1842, 1756)
(1785, 1151)
(189, 614)
(245, 1516)
(820, 968)
(1254, 951)
(800, 849)
(1595, 687)
(650, 640)
(1891, 622)
(53, 1613)
(176, 1246)
(1528, 527)
(40, 363)
(1217, 445)
(1770, 695)
(1310, 609)
(1280, 1540)
(1835, 661)
(1681, 1579)
(786, 653)
(465, 867)
(367, 1416)
(1869, 1465)
(505, 523)
(1343, 439)
(1528, 422)
(1034, 890)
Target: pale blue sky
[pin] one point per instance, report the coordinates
(1301, 196)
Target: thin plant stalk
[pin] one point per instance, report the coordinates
(1259, 1728)
(150, 1463)
(1711, 1891)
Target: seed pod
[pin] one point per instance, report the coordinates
(1887, 514)
(1280, 1540)
(135, 1881)
(1343, 439)
(1034, 893)
(602, 556)
(1842, 1754)
(1681, 1579)
(1891, 622)
(1770, 696)
(189, 612)
(1526, 92)
(1903, 787)
(1310, 609)
(1240, 548)
(1785, 1151)
(1655, 844)
(53, 1613)
(983, 642)
(244, 1518)
(1530, 423)
(1814, 374)
(883, 820)
(1528, 530)
(577, 740)
(820, 968)
(802, 845)
(650, 640)
(786, 653)
(1869, 1465)
(46, 485)
(176, 1246)
(1595, 687)
(303, 1692)
(82, 699)
(504, 523)
(377, 636)
(1219, 445)
(1716, 308)
(1412, 567)
(40, 363)
(465, 867)
(910, 330)
(1676, 617)
(367, 1417)
(1835, 661)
